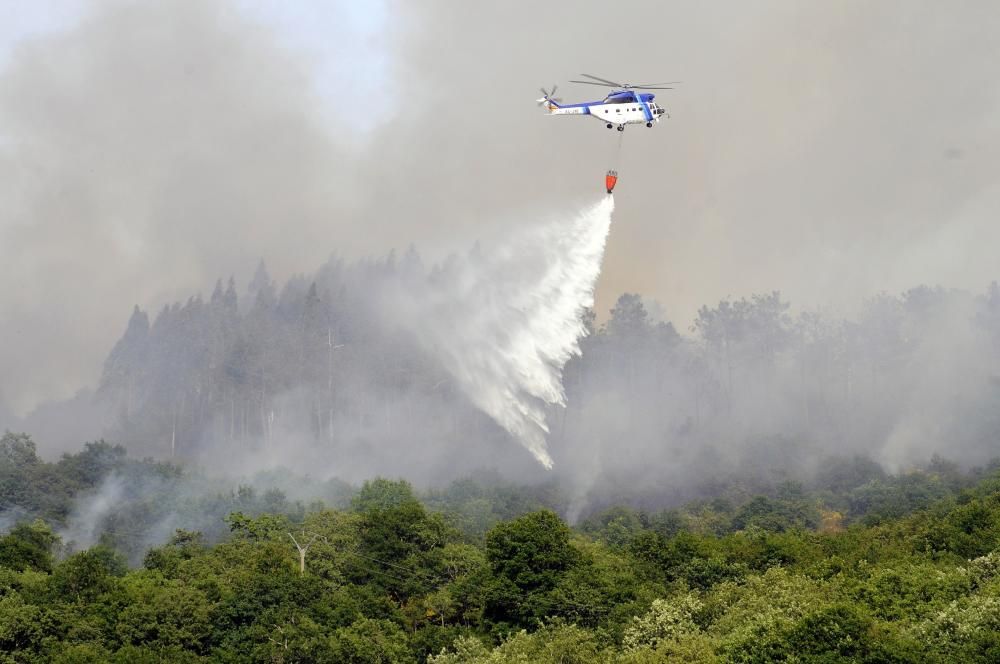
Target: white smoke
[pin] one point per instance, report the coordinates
(85, 523)
(504, 322)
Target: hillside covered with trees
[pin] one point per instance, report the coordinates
(849, 564)
(316, 374)
(763, 485)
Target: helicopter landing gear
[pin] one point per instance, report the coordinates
(609, 125)
(621, 127)
(649, 124)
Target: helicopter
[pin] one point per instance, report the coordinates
(622, 106)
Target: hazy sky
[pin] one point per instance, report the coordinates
(829, 150)
(314, 29)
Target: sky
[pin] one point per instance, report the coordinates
(305, 27)
(27, 20)
(828, 150)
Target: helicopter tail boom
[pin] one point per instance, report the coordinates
(557, 109)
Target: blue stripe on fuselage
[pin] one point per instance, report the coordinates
(645, 110)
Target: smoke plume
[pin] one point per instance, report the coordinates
(826, 151)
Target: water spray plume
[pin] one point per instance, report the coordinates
(504, 322)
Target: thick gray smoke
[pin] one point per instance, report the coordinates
(503, 322)
(144, 152)
(760, 390)
(829, 151)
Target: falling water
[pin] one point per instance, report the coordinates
(504, 320)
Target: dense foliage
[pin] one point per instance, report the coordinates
(851, 565)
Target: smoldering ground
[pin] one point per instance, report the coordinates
(830, 152)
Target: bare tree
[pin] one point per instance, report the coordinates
(302, 550)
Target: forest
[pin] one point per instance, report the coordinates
(852, 564)
(293, 477)
(321, 374)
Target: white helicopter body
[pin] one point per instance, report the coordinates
(621, 107)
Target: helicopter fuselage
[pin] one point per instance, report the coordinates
(616, 110)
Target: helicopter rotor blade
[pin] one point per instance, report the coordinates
(603, 85)
(646, 87)
(653, 85)
(603, 80)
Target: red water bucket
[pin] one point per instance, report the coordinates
(610, 180)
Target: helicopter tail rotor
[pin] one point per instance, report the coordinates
(548, 96)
